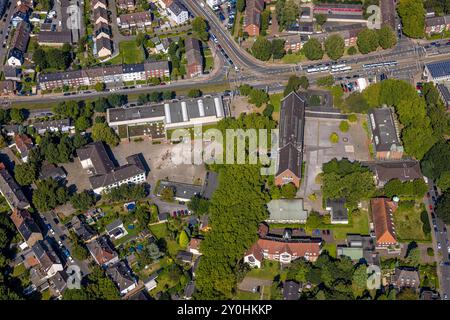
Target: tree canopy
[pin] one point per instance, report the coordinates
(312, 49)
(412, 14)
(334, 46)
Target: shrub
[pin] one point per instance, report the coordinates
(334, 138)
(352, 118)
(344, 126)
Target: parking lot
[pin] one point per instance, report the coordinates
(318, 150)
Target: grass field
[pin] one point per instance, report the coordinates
(409, 225)
(275, 100)
(129, 53)
(268, 271)
(293, 58)
(209, 60)
(331, 248)
(243, 295)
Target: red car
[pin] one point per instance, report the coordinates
(430, 206)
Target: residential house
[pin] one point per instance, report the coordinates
(291, 290)
(52, 171)
(7, 87)
(45, 258)
(437, 24)
(100, 15)
(286, 211)
(102, 251)
(19, 44)
(252, 17)
(116, 230)
(12, 73)
(102, 30)
(177, 12)
(58, 283)
(384, 134)
(182, 191)
(21, 14)
(26, 226)
(136, 20)
(185, 256)
(104, 47)
(24, 144)
(338, 211)
(194, 246)
(82, 229)
(404, 170)
(337, 12)
(122, 277)
(126, 4)
(57, 125)
(189, 290)
(194, 57)
(151, 283)
(95, 4)
(383, 222)
(11, 191)
(290, 153)
(406, 278)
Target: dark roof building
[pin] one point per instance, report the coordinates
(11, 190)
(406, 278)
(437, 71)
(338, 211)
(385, 138)
(95, 156)
(26, 226)
(292, 126)
(407, 170)
(52, 38)
(291, 290)
(194, 57)
(121, 275)
(182, 191)
(102, 251)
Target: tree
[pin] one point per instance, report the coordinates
(245, 89)
(288, 191)
(82, 123)
(413, 256)
(435, 162)
(359, 280)
(102, 132)
(194, 93)
(258, 97)
(4, 116)
(348, 180)
(334, 138)
(334, 46)
(100, 86)
(40, 58)
(83, 200)
(288, 12)
(352, 51)
(168, 95)
(352, 118)
(262, 48)
(386, 37)
(155, 96)
(268, 110)
(78, 140)
(265, 19)
(412, 14)
(312, 49)
(198, 205)
(443, 207)
(240, 5)
(407, 294)
(140, 39)
(294, 83)
(167, 194)
(142, 216)
(200, 29)
(25, 173)
(17, 115)
(344, 126)
(278, 49)
(183, 240)
(117, 100)
(48, 195)
(367, 40)
(320, 19)
(444, 181)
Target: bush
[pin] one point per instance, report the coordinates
(352, 118)
(344, 126)
(334, 138)
(426, 228)
(325, 81)
(352, 50)
(430, 252)
(268, 110)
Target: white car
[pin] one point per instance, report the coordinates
(439, 246)
(60, 243)
(52, 232)
(70, 259)
(448, 249)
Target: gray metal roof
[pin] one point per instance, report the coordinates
(383, 129)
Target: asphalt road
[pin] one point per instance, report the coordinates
(440, 241)
(5, 31)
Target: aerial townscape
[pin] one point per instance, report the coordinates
(116, 117)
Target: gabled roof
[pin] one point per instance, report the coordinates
(11, 190)
(291, 133)
(101, 250)
(121, 275)
(24, 223)
(291, 290)
(383, 129)
(98, 155)
(403, 170)
(382, 216)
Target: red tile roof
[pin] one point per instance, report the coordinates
(382, 209)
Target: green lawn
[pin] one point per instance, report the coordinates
(209, 60)
(268, 271)
(159, 230)
(409, 225)
(243, 295)
(293, 58)
(19, 270)
(275, 100)
(129, 53)
(331, 248)
(4, 207)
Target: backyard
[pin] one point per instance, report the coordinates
(130, 53)
(409, 225)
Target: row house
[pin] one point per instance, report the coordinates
(137, 20)
(26, 226)
(338, 9)
(19, 44)
(194, 57)
(177, 12)
(99, 4)
(22, 14)
(102, 30)
(126, 4)
(437, 24)
(7, 87)
(106, 74)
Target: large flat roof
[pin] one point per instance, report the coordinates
(383, 129)
(439, 69)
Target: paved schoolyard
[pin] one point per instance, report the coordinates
(319, 150)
